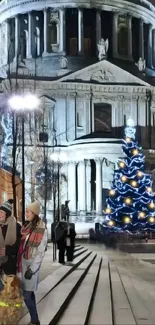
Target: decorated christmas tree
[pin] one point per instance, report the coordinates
(131, 202)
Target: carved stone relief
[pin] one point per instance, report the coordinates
(103, 75)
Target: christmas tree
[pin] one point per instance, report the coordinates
(131, 202)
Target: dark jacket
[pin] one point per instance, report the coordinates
(10, 267)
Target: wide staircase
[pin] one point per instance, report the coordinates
(94, 290)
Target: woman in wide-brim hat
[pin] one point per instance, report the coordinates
(31, 253)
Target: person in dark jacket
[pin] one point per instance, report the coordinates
(70, 243)
(9, 239)
(60, 235)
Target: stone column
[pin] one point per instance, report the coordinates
(141, 39)
(30, 17)
(72, 186)
(98, 186)
(80, 31)
(115, 35)
(98, 27)
(6, 43)
(130, 37)
(82, 188)
(17, 29)
(88, 185)
(62, 31)
(45, 31)
(149, 54)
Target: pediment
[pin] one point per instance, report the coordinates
(104, 72)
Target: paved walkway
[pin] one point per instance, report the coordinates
(102, 287)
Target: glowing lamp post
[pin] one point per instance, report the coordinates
(23, 104)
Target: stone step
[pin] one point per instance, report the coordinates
(76, 254)
(122, 313)
(101, 311)
(82, 298)
(76, 249)
(52, 280)
(145, 294)
(138, 304)
(53, 304)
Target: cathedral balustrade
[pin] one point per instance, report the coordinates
(42, 32)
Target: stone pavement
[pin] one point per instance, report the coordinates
(101, 287)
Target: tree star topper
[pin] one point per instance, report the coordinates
(130, 129)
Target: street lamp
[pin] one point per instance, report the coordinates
(23, 104)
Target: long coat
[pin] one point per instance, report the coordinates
(10, 267)
(34, 264)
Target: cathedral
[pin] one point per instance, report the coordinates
(92, 65)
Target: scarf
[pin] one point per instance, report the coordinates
(11, 233)
(31, 238)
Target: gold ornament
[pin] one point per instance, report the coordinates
(112, 192)
(139, 173)
(127, 220)
(151, 219)
(128, 200)
(135, 152)
(108, 210)
(134, 183)
(142, 214)
(128, 139)
(111, 223)
(149, 189)
(124, 178)
(151, 205)
(122, 164)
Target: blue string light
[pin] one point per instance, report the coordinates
(131, 203)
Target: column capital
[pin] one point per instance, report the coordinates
(88, 163)
(72, 162)
(98, 160)
(141, 21)
(62, 8)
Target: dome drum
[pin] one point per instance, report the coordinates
(76, 32)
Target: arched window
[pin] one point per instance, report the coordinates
(122, 36)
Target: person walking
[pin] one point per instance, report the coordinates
(70, 243)
(31, 253)
(9, 239)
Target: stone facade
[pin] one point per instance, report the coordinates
(84, 102)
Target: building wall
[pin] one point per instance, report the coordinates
(6, 190)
